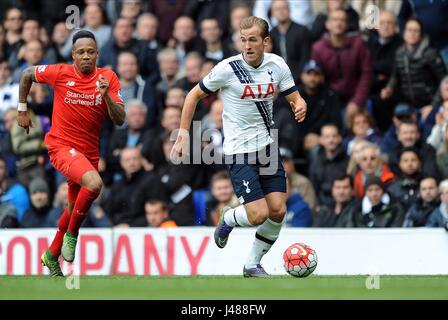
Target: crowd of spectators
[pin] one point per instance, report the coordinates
(372, 152)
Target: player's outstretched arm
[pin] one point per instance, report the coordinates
(181, 146)
(298, 105)
(26, 81)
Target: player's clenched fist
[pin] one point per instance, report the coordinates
(103, 85)
(299, 109)
(24, 120)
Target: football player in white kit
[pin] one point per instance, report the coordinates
(248, 83)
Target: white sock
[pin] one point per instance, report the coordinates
(237, 217)
(265, 237)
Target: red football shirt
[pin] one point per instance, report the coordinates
(78, 107)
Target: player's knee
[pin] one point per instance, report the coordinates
(92, 181)
(95, 185)
(277, 214)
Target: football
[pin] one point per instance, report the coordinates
(299, 260)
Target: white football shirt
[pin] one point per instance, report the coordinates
(248, 94)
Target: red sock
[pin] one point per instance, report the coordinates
(81, 208)
(55, 247)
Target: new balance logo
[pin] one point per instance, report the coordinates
(246, 184)
(70, 83)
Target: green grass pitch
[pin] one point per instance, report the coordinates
(224, 287)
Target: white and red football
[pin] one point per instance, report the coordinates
(299, 260)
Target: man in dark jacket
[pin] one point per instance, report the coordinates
(377, 209)
(212, 45)
(318, 26)
(121, 199)
(428, 200)
(122, 40)
(439, 217)
(173, 183)
(289, 39)
(132, 136)
(382, 45)
(323, 104)
(409, 136)
(405, 188)
(290, 136)
(153, 139)
(37, 216)
(166, 12)
(134, 86)
(345, 61)
(418, 69)
(402, 113)
(8, 216)
(336, 214)
(329, 160)
(12, 192)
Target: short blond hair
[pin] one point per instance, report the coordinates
(251, 21)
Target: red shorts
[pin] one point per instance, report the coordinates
(71, 163)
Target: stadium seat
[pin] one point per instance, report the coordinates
(199, 202)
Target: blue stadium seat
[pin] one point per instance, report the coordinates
(199, 202)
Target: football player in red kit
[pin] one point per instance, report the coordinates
(83, 96)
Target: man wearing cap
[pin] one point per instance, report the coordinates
(38, 215)
(376, 209)
(402, 112)
(324, 104)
